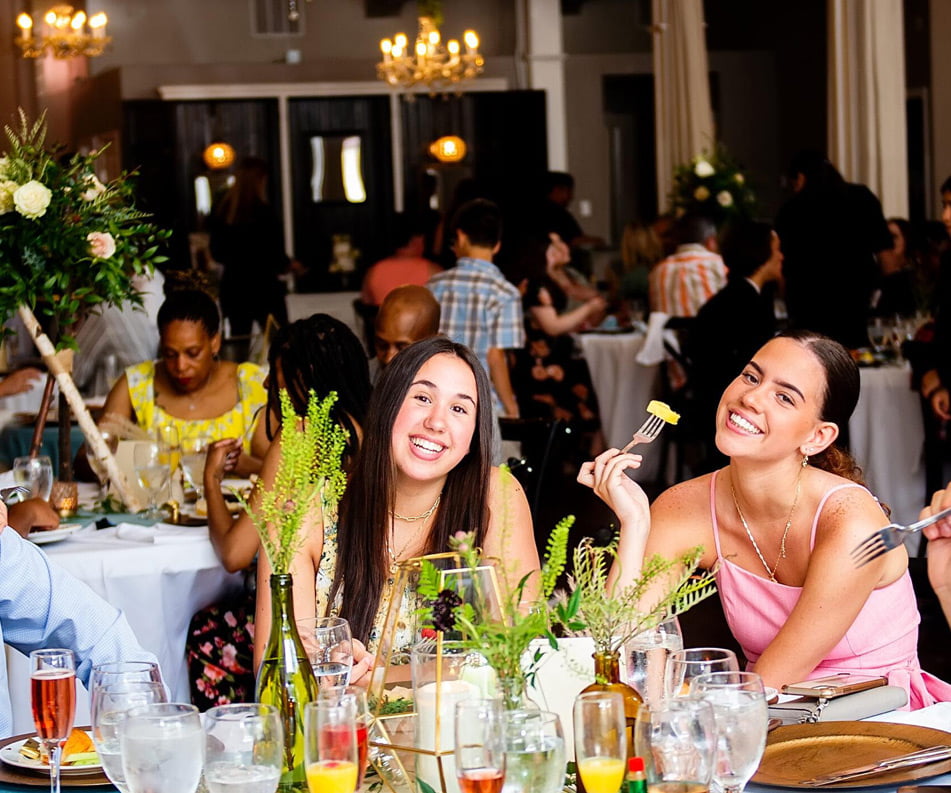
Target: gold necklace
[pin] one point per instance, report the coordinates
(414, 518)
(782, 543)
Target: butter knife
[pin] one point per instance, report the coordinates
(932, 754)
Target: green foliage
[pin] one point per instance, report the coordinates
(611, 614)
(713, 185)
(47, 259)
(310, 469)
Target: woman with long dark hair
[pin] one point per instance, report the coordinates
(779, 522)
(423, 473)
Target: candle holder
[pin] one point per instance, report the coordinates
(64, 498)
(412, 749)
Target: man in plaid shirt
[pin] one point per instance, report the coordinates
(480, 308)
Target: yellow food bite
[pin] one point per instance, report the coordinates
(663, 410)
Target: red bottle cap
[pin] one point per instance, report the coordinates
(635, 765)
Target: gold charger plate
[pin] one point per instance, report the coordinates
(11, 774)
(802, 751)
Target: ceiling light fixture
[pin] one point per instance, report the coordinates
(429, 62)
(66, 34)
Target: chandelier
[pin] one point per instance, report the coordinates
(429, 62)
(66, 34)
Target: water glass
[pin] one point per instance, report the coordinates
(110, 699)
(193, 462)
(53, 697)
(152, 468)
(684, 665)
(243, 748)
(480, 746)
(364, 719)
(329, 646)
(162, 748)
(677, 740)
(646, 655)
(330, 746)
(740, 715)
(534, 752)
(35, 473)
(113, 672)
(600, 740)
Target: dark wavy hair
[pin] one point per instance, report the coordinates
(369, 500)
(190, 305)
(320, 354)
(839, 397)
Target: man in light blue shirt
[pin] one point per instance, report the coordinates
(44, 606)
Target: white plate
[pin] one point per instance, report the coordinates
(10, 754)
(54, 535)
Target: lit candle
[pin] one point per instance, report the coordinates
(449, 693)
(97, 22)
(472, 41)
(25, 23)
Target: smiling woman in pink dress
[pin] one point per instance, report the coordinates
(781, 520)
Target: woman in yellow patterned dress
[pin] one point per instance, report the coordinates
(189, 387)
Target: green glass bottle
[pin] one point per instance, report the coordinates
(286, 680)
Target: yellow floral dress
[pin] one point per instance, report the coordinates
(236, 423)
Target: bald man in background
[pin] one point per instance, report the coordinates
(407, 314)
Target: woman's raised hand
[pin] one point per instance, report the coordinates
(607, 476)
(939, 546)
(221, 459)
(362, 670)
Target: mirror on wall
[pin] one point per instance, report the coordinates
(336, 173)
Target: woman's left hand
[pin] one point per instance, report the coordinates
(361, 673)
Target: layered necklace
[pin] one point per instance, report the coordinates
(395, 555)
(782, 543)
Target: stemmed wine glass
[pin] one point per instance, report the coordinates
(152, 468)
(646, 654)
(53, 689)
(162, 748)
(329, 645)
(600, 740)
(684, 665)
(480, 746)
(741, 718)
(330, 746)
(243, 748)
(364, 719)
(35, 473)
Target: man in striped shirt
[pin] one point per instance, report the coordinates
(694, 273)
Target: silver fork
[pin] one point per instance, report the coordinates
(647, 432)
(9, 492)
(890, 537)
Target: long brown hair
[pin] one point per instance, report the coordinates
(369, 500)
(247, 192)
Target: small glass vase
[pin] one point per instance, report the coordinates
(286, 680)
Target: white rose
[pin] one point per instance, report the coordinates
(94, 188)
(724, 199)
(703, 169)
(738, 178)
(7, 189)
(701, 193)
(32, 199)
(101, 244)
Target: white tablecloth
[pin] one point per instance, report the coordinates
(158, 585)
(624, 387)
(887, 439)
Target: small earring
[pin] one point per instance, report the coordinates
(805, 460)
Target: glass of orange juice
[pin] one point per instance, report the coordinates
(330, 745)
(600, 740)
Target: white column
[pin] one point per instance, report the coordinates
(683, 117)
(867, 129)
(546, 71)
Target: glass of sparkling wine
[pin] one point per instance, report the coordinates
(480, 746)
(111, 698)
(162, 748)
(677, 739)
(329, 645)
(53, 690)
(684, 665)
(330, 746)
(35, 473)
(741, 720)
(646, 655)
(243, 748)
(600, 740)
(152, 468)
(364, 719)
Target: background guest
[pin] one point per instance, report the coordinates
(895, 291)
(405, 266)
(694, 273)
(407, 314)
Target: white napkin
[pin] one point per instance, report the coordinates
(652, 351)
(161, 533)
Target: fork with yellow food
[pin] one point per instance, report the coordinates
(659, 415)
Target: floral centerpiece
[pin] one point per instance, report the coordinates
(712, 184)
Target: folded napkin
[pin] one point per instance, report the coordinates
(652, 352)
(161, 533)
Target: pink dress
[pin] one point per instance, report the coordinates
(883, 639)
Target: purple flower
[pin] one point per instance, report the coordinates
(444, 606)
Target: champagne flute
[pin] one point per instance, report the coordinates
(53, 689)
(600, 740)
(741, 719)
(329, 645)
(35, 473)
(646, 654)
(162, 748)
(111, 698)
(684, 665)
(152, 468)
(677, 740)
(364, 720)
(169, 437)
(330, 746)
(243, 748)
(480, 746)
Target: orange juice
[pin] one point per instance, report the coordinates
(601, 774)
(332, 776)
